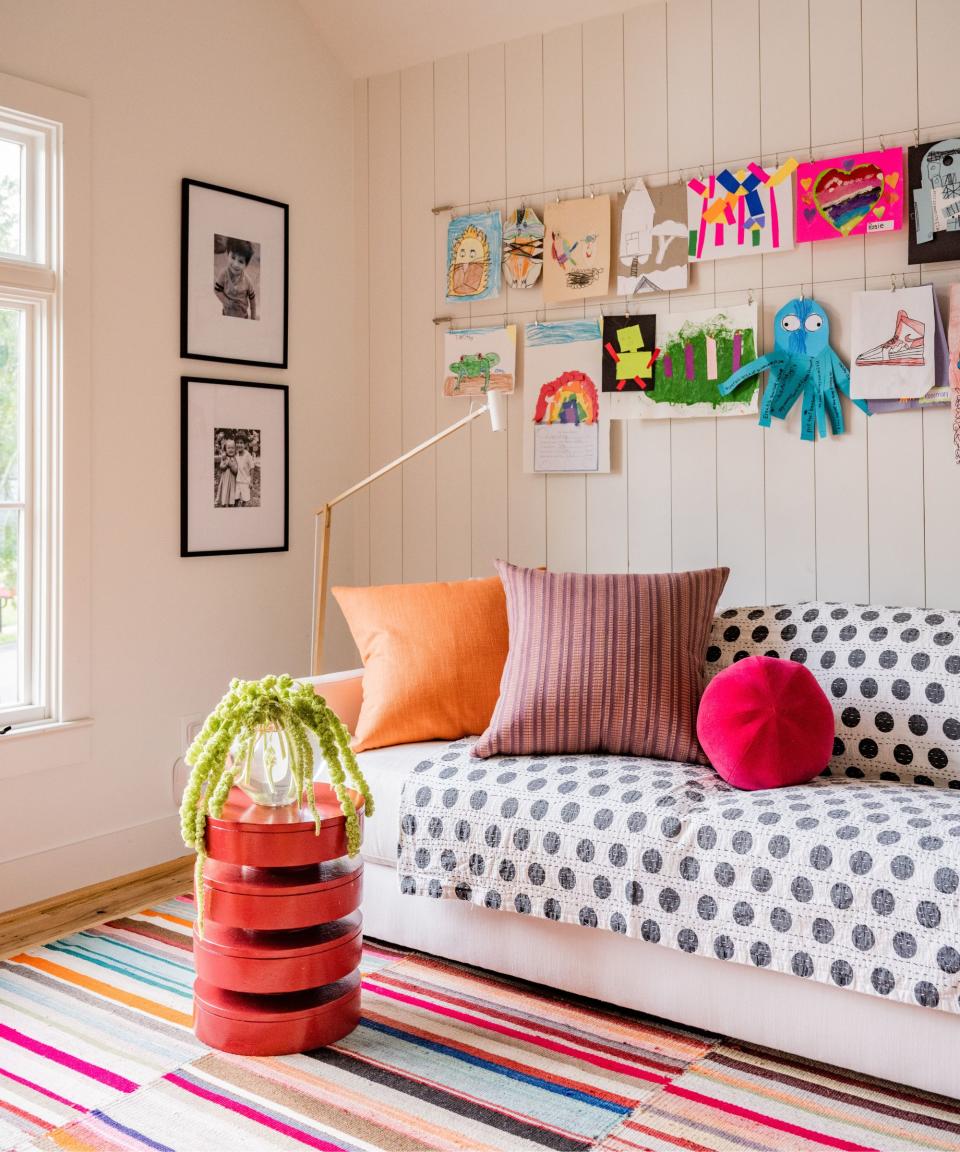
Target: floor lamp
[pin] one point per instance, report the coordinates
(496, 406)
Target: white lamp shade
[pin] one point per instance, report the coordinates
(497, 408)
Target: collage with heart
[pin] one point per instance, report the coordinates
(851, 195)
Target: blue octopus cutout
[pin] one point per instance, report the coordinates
(802, 361)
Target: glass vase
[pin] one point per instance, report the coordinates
(264, 774)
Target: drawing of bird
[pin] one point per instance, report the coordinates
(565, 251)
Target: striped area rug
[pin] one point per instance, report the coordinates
(96, 1053)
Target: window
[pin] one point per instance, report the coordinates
(30, 213)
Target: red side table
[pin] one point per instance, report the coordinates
(278, 968)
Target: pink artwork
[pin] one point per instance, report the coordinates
(850, 195)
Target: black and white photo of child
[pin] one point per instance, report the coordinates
(236, 276)
(236, 467)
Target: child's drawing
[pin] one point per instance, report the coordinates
(934, 171)
(653, 240)
(850, 195)
(698, 352)
(473, 257)
(566, 416)
(742, 212)
(522, 248)
(478, 360)
(629, 357)
(898, 344)
(577, 249)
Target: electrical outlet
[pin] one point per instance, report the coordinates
(179, 776)
(189, 730)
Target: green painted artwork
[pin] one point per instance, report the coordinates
(699, 351)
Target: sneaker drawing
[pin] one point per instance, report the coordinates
(904, 348)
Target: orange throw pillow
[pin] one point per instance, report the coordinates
(432, 658)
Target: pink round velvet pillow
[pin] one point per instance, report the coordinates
(766, 723)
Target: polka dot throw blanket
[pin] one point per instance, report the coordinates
(852, 879)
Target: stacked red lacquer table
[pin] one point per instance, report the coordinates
(278, 965)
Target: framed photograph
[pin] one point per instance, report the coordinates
(233, 276)
(234, 471)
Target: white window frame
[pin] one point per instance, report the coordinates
(50, 282)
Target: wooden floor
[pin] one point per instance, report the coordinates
(47, 920)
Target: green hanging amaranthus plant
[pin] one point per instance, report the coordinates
(247, 710)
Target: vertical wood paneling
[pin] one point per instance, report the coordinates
(790, 493)
(646, 143)
(563, 168)
(693, 481)
(416, 309)
(693, 453)
(651, 475)
(894, 443)
(526, 493)
(836, 93)
(666, 87)
(488, 185)
(563, 109)
(941, 486)
(451, 165)
(386, 329)
(523, 67)
(937, 48)
(360, 509)
(739, 450)
(645, 88)
(896, 508)
(889, 47)
(603, 160)
(741, 527)
(350, 534)
(842, 509)
(694, 486)
(736, 79)
(785, 75)
(603, 100)
(690, 83)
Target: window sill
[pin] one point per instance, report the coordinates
(38, 747)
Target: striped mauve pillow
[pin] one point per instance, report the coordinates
(603, 663)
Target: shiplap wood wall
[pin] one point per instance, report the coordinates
(659, 91)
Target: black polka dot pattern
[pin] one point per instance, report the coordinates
(892, 675)
(852, 880)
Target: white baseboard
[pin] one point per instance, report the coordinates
(48, 873)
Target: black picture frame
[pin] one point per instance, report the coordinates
(189, 478)
(198, 345)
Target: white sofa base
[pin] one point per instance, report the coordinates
(893, 1041)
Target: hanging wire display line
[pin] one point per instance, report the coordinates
(590, 189)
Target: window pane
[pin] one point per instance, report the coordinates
(11, 343)
(11, 688)
(11, 198)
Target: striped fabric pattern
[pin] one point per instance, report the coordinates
(603, 663)
(96, 1055)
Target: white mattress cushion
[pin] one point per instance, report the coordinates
(851, 882)
(385, 770)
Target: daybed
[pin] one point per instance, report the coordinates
(822, 920)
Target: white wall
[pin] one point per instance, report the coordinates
(664, 88)
(244, 94)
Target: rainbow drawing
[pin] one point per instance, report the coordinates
(570, 399)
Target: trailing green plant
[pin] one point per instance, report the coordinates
(225, 746)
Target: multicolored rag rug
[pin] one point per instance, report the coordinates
(96, 1052)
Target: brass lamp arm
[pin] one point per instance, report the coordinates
(322, 518)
